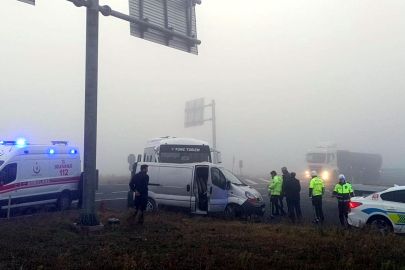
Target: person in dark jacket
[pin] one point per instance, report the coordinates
(80, 188)
(139, 184)
(286, 176)
(291, 190)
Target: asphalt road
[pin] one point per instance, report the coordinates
(115, 197)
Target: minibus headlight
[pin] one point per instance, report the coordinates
(249, 195)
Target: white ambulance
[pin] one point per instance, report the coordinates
(38, 174)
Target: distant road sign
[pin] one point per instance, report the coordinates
(31, 2)
(194, 113)
(131, 159)
(177, 15)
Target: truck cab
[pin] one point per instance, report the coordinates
(323, 160)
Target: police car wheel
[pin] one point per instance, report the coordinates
(381, 225)
(150, 206)
(64, 201)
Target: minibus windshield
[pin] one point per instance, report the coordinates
(231, 177)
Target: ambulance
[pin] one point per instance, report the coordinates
(38, 174)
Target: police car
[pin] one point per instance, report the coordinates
(383, 210)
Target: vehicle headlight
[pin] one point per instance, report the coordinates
(251, 197)
(325, 174)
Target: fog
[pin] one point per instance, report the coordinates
(285, 75)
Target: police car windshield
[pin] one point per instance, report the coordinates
(231, 177)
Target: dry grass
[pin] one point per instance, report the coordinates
(178, 241)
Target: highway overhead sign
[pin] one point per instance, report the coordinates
(176, 15)
(194, 115)
(31, 2)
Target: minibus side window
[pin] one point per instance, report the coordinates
(8, 174)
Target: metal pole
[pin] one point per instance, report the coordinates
(88, 216)
(214, 130)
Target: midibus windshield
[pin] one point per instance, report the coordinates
(184, 154)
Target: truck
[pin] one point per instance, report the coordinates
(329, 162)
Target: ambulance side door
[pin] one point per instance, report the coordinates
(34, 178)
(9, 184)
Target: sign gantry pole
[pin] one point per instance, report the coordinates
(88, 215)
(150, 20)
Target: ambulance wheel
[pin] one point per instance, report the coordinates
(380, 224)
(150, 206)
(64, 201)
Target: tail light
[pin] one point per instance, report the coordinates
(355, 204)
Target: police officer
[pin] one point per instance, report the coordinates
(316, 190)
(343, 191)
(275, 189)
(139, 185)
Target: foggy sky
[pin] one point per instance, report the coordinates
(285, 75)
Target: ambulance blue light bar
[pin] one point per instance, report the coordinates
(19, 142)
(73, 151)
(51, 151)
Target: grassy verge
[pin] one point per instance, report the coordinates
(177, 241)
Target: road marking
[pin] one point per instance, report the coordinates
(111, 199)
(101, 193)
(120, 191)
(267, 181)
(250, 181)
(113, 184)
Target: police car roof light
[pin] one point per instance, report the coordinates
(51, 151)
(73, 151)
(59, 142)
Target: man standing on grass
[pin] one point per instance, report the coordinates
(275, 188)
(291, 189)
(316, 190)
(139, 185)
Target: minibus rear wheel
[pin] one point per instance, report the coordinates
(64, 201)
